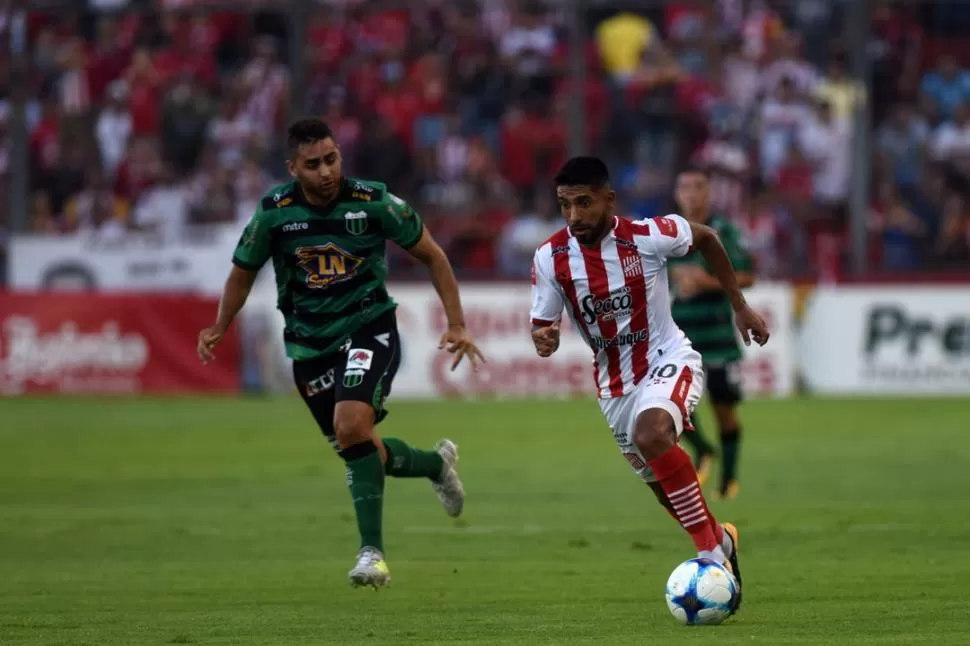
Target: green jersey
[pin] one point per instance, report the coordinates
(329, 261)
(708, 318)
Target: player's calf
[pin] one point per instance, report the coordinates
(365, 472)
(655, 435)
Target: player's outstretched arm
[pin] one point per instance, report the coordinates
(234, 295)
(456, 338)
(707, 242)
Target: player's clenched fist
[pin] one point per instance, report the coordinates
(209, 338)
(546, 339)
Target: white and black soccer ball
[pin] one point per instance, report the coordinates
(701, 592)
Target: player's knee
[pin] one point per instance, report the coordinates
(353, 424)
(655, 433)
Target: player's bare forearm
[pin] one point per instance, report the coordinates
(710, 283)
(442, 277)
(234, 295)
(707, 242)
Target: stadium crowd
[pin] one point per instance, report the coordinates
(166, 120)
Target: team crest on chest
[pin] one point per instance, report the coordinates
(632, 266)
(356, 222)
(327, 264)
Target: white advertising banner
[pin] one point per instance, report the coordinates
(497, 315)
(887, 341)
(137, 265)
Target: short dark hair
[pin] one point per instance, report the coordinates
(583, 171)
(307, 131)
(694, 169)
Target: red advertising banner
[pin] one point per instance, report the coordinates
(110, 344)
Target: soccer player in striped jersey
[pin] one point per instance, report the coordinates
(326, 235)
(610, 276)
(703, 311)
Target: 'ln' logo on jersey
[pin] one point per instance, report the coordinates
(356, 222)
(327, 264)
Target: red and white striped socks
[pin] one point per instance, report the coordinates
(677, 477)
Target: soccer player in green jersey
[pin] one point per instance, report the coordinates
(325, 234)
(702, 310)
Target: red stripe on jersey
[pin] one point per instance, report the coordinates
(634, 280)
(679, 395)
(564, 276)
(639, 229)
(542, 323)
(599, 287)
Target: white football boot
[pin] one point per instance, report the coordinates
(371, 569)
(448, 486)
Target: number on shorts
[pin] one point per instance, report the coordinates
(663, 372)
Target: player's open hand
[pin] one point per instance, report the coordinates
(546, 339)
(751, 326)
(209, 338)
(458, 343)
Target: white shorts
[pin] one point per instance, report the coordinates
(675, 384)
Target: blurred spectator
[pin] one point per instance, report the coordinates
(622, 40)
(947, 86)
(114, 127)
(524, 235)
(951, 141)
(463, 108)
(899, 143)
(827, 142)
(782, 117)
(844, 94)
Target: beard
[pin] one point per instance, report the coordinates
(590, 235)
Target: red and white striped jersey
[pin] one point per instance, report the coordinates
(616, 294)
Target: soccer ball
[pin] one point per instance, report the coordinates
(701, 592)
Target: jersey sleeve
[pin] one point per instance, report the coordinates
(733, 242)
(668, 236)
(253, 248)
(402, 224)
(547, 299)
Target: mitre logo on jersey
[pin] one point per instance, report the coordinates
(295, 226)
(632, 266)
(617, 304)
(327, 264)
(356, 222)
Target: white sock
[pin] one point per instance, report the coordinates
(717, 554)
(727, 545)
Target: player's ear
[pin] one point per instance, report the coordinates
(291, 168)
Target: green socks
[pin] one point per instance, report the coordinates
(730, 447)
(365, 477)
(697, 441)
(405, 462)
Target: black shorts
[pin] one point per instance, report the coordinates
(362, 370)
(724, 382)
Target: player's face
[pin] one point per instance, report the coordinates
(588, 211)
(693, 194)
(317, 166)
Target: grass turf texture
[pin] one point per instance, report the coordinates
(198, 521)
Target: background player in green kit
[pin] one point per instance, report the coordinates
(325, 235)
(702, 310)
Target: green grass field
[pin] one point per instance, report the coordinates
(197, 521)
